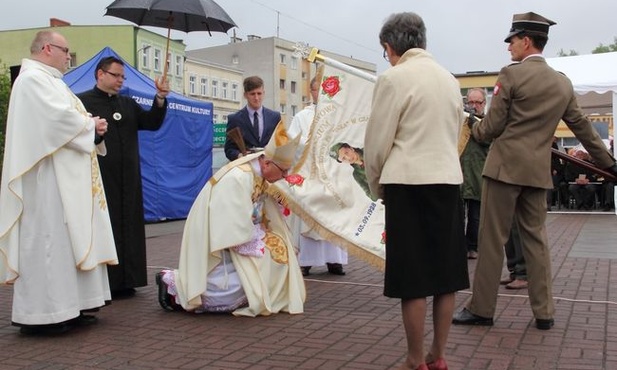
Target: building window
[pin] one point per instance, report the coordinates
(293, 87)
(282, 84)
(192, 80)
(157, 59)
(235, 59)
(234, 91)
(294, 110)
(203, 86)
(215, 89)
(215, 118)
(73, 61)
(179, 65)
(282, 58)
(294, 63)
(304, 75)
(224, 118)
(145, 57)
(224, 90)
(282, 110)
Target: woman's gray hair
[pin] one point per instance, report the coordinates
(403, 31)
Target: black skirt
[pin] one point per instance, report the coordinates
(425, 243)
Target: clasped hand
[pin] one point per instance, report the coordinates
(100, 125)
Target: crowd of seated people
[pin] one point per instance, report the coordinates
(579, 188)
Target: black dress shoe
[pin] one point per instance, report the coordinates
(466, 317)
(305, 270)
(335, 269)
(49, 329)
(84, 320)
(123, 293)
(164, 298)
(544, 324)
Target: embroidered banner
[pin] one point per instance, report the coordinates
(334, 198)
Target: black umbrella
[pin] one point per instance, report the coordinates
(181, 15)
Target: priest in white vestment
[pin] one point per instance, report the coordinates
(236, 254)
(55, 233)
(314, 250)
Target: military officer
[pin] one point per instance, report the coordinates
(528, 101)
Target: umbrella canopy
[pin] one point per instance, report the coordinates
(181, 15)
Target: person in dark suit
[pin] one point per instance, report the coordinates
(528, 101)
(256, 122)
(583, 183)
(121, 168)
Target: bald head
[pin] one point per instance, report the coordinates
(51, 48)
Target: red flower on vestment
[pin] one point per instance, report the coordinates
(383, 238)
(286, 211)
(294, 179)
(331, 85)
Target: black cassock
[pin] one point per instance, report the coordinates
(121, 173)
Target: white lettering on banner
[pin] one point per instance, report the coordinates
(174, 106)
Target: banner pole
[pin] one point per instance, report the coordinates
(312, 55)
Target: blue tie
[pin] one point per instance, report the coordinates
(256, 124)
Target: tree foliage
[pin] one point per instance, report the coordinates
(5, 92)
(606, 48)
(562, 53)
(601, 48)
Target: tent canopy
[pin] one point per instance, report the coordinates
(176, 160)
(591, 73)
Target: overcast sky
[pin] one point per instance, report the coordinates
(462, 35)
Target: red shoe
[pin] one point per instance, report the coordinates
(439, 364)
(422, 367)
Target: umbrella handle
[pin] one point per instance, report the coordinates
(170, 21)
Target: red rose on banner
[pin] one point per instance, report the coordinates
(331, 86)
(294, 179)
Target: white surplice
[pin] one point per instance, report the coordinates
(221, 218)
(55, 234)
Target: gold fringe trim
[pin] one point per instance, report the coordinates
(296, 168)
(351, 248)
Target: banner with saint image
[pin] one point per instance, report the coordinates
(327, 187)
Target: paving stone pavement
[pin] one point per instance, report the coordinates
(347, 323)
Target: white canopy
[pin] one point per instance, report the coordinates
(591, 73)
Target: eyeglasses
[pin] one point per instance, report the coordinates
(64, 49)
(284, 172)
(385, 55)
(474, 102)
(116, 75)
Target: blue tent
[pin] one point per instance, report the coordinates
(176, 160)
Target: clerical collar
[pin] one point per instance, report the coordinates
(104, 93)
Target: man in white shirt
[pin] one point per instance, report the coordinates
(314, 251)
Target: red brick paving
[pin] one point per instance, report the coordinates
(347, 323)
